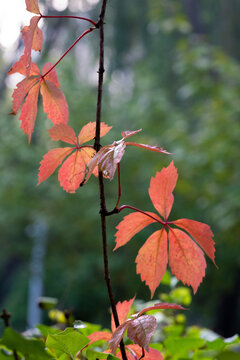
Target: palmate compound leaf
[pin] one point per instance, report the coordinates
(110, 156)
(73, 169)
(186, 259)
(26, 95)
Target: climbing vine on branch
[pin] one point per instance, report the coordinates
(180, 243)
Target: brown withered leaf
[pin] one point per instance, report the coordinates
(110, 156)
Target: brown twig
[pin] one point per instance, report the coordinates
(97, 146)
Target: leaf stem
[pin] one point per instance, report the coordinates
(119, 187)
(142, 212)
(97, 146)
(67, 17)
(70, 48)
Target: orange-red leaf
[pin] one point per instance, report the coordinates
(32, 6)
(186, 259)
(21, 67)
(201, 233)
(141, 329)
(21, 91)
(161, 188)
(32, 37)
(99, 335)
(63, 132)
(131, 225)
(72, 172)
(128, 133)
(29, 111)
(123, 309)
(88, 132)
(52, 75)
(154, 148)
(51, 161)
(54, 102)
(162, 306)
(152, 259)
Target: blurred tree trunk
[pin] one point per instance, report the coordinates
(192, 9)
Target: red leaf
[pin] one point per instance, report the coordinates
(162, 306)
(149, 147)
(21, 91)
(186, 259)
(32, 6)
(131, 225)
(127, 133)
(32, 37)
(141, 330)
(99, 335)
(29, 111)
(123, 309)
(152, 260)
(54, 102)
(21, 67)
(88, 132)
(52, 75)
(72, 172)
(201, 233)
(118, 335)
(161, 188)
(51, 161)
(64, 133)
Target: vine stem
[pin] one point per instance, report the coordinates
(97, 146)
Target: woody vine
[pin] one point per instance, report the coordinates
(180, 243)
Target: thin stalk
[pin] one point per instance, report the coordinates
(70, 48)
(142, 212)
(67, 17)
(119, 187)
(97, 147)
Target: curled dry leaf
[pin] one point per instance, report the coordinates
(110, 156)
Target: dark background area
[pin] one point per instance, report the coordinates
(172, 69)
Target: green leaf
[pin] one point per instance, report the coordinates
(89, 329)
(30, 348)
(93, 355)
(68, 342)
(228, 355)
(47, 330)
(181, 345)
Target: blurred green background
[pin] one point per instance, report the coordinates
(172, 69)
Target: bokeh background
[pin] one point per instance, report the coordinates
(172, 69)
